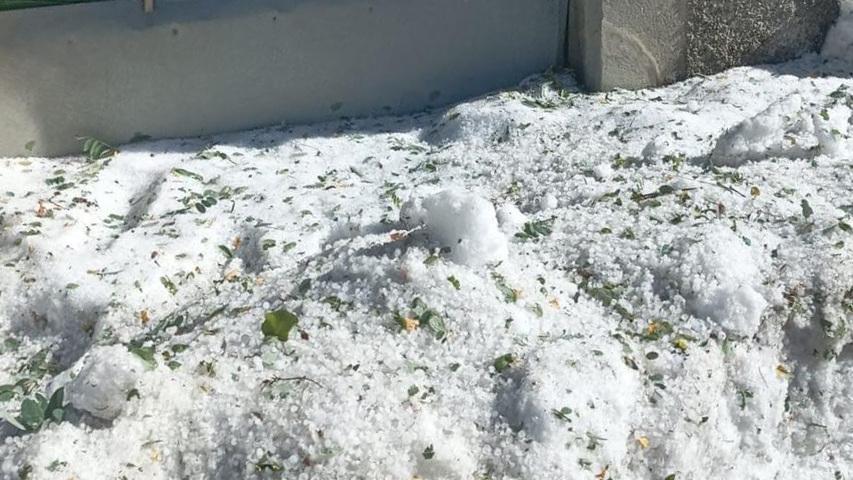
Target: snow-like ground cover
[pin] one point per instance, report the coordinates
(538, 284)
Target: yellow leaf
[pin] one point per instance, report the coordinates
(410, 324)
(644, 442)
(652, 328)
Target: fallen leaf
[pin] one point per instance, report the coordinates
(42, 211)
(755, 192)
(278, 324)
(410, 324)
(652, 329)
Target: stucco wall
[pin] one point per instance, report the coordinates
(196, 67)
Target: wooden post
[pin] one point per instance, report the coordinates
(148, 5)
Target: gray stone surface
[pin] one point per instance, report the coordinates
(196, 67)
(642, 43)
(725, 33)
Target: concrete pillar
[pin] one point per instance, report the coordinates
(641, 43)
(727, 33)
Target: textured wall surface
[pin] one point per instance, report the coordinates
(643, 43)
(726, 33)
(195, 67)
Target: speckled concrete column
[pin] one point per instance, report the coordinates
(641, 43)
(725, 33)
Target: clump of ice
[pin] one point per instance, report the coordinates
(569, 405)
(721, 280)
(658, 148)
(510, 218)
(548, 202)
(788, 128)
(463, 222)
(101, 387)
(482, 122)
(602, 171)
(781, 130)
(451, 456)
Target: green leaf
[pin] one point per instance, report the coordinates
(146, 354)
(435, 323)
(536, 229)
(32, 414)
(170, 286)
(454, 281)
(7, 392)
(55, 409)
(211, 154)
(504, 362)
(509, 293)
(807, 209)
(429, 452)
(95, 149)
(30, 145)
(267, 464)
(227, 251)
(55, 181)
(278, 324)
(563, 414)
(186, 173)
